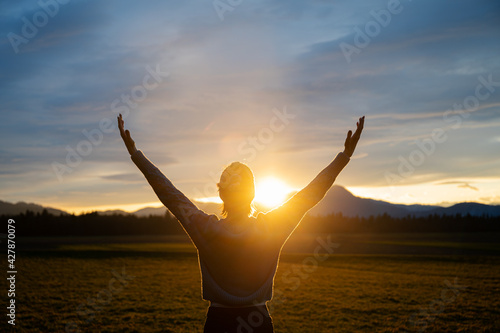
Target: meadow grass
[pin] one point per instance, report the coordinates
(344, 293)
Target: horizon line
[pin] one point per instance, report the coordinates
(133, 208)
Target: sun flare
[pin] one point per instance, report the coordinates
(271, 192)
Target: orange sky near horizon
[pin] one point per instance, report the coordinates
(275, 86)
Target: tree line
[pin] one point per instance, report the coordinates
(32, 224)
(385, 223)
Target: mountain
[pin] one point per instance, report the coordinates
(472, 208)
(208, 207)
(150, 211)
(337, 200)
(8, 208)
(340, 200)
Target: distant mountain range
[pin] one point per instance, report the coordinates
(337, 200)
(7, 208)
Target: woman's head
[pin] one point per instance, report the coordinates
(237, 189)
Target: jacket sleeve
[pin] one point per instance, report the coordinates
(192, 219)
(285, 218)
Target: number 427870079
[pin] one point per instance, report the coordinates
(11, 244)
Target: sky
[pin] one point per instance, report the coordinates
(274, 84)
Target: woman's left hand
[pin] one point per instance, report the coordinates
(352, 140)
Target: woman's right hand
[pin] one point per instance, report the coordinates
(125, 134)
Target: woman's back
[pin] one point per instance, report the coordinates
(240, 256)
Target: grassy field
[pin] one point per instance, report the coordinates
(75, 288)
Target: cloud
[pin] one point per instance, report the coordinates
(459, 184)
(466, 185)
(125, 177)
(227, 76)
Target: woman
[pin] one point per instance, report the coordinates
(238, 255)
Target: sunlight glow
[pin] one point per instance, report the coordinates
(209, 200)
(271, 192)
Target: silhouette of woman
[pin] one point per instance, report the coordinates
(238, 255)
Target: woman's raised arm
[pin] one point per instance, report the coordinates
(287, 216)
(185, 210)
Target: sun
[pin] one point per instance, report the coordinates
(271, 192)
